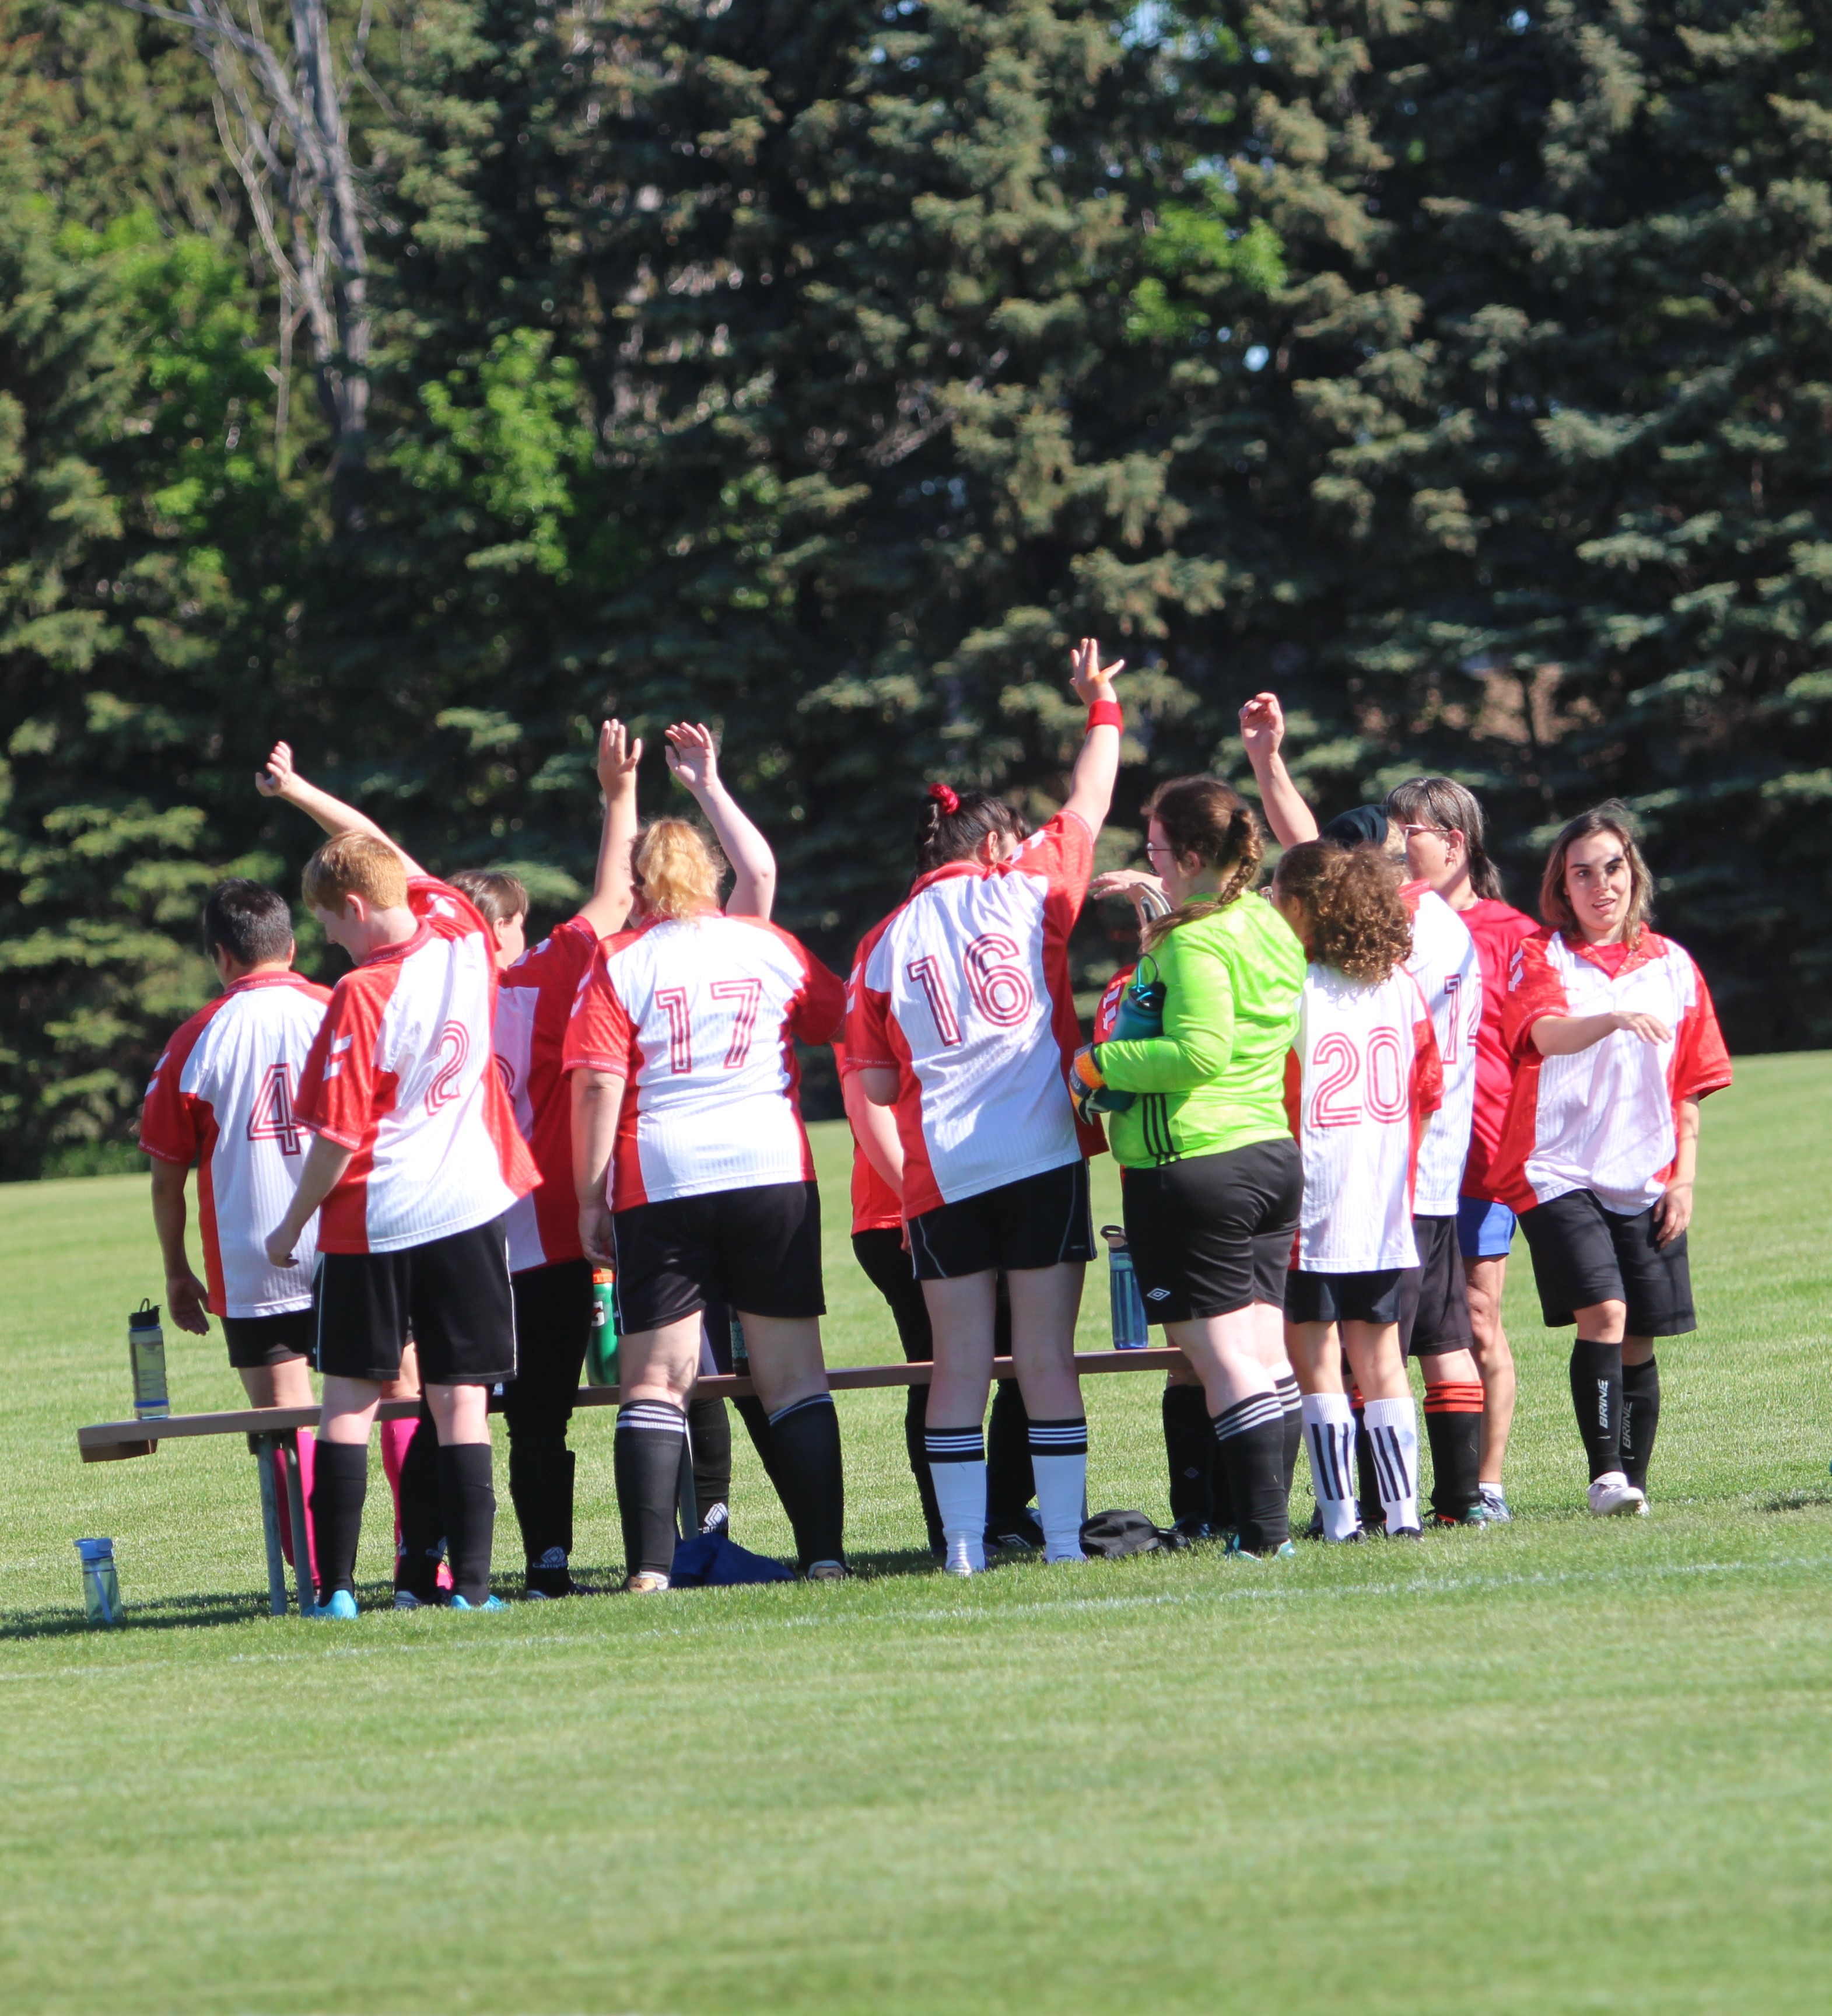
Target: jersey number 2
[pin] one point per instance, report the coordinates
(271, 1119)
(999, 987)
(1344, 1078)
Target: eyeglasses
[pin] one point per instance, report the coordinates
(1412, 832)
(1154, 847)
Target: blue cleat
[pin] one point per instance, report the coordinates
(341, 1609)
(457, 1602)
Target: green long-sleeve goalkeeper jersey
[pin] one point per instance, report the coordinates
(1215, 1078)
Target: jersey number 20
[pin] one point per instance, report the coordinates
(998, 986)
(1344, 1079)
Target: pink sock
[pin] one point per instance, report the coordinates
(307, 1462)
(395, 1437)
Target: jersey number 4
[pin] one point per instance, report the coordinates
(272, 1118)
(999, 988)
(673, 1001)
(1345, 1078)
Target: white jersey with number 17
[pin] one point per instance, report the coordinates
(1448, 970)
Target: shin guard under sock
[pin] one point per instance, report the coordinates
(1641, 1418)
(1010, 1480)
(422, 1545)
(1329, 1429)
(1190, 1455)
(957, 1464)
(1453, 1427)
(340, 1484)
(806, 1437)
(709, 1429)
(1285, 1385)
(1393, 1437)
(467, 1493)
(1596, 1394)
(1059, 1459)
(1249, 1446)
(646, 1459)
(916, 1407)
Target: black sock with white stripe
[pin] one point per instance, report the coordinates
(1285, 1385)
(1641, 1418)
(646, 1459)
(1249, 1447)
(957, 1468)
(1058, 1458)
(1329, 1429)
(1393, 1440)
(805, 1436)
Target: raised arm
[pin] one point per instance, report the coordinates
(1262, 729)
(280, 780)
(1091, 785)
(612, 888)
(693, 758)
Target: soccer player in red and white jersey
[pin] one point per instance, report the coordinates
(1616, 1043)
(1364, 1076)
(963, 1020)
(416, 1163)
(694, 1180)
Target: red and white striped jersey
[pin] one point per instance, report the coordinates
(534, 1004)
(222, 1096)
(1498, 928)
(700, 1017)
(1446, 964)
(1363, 1079)
(1604, 1119)
(964, 992)
(401, 1074)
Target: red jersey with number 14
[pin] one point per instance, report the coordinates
(221, 1096)
(700, 1017)
(402, 1074)
(964, 992)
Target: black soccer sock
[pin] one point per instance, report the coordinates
(1453, 1427)
(1292, 1401)
(1596, 1394)
(339, 1484)
(1010, 1479)
(1641, 1418)
(422, 1518)
(710, 1427)
(915, 1422)
(467, 1492)
(806, 1435)
(1189, 1452)
(646, 1459)
(541, 1488)
(756, 1417)
(1249, 1446)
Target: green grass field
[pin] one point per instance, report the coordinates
(1567, 1765)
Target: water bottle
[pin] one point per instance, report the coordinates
(146, 1357)
(601, 1348)
(101, 1591)
(740, 1351)
(1141, 1014)
(1131, 1332)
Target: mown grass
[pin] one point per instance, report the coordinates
(1567, 1765)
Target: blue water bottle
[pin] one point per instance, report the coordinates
(1131, 1332)
(101, 1588)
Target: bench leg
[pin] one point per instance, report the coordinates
(301, 1549)
(264, 1447)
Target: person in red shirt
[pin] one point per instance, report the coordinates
(415, 1163)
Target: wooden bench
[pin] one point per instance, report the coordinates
(271, 1429)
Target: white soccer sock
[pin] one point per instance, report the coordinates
(1393, 1431)
(1329, 1436)
(957, 1467)
(1059, 1462)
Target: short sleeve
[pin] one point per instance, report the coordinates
(600, 1035)
(1062, 853)
(1534, 992)
(866, 1032)
(168, 1125)
(819, 1012)
(1427, 1066)
(436, 902)
(337, 1084)
(1701, 1061)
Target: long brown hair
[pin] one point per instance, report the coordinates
(1350, 897)
(1555, 906)
(1201, 815)
(1453, 808)
(951, 825)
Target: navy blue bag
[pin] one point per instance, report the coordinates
(710, 1560)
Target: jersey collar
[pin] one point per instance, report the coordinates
(390, 953)
(1652, 947)
(948, 868)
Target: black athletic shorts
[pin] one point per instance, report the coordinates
(1583, 1254)
(1038, 1221)
(255, 1341)
(1435, 1296)
(757, 1249)
(454, 1293)
(552, 1327)
(1213, 1234)
(1373, 1297)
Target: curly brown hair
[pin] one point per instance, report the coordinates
(1201, 815)
(1351, 901)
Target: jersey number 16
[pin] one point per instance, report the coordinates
(999, 988)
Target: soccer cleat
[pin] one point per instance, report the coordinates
(1195, 1532)
(1285, 1551)
(1403, 1533)
(1641, 1510)
(1473, 1515)
(646, 1583)
(1019, 1533)
(340, 1609)
(404, 1599)
(1494, 1504)
(454, 1601)
(1611, 1494)
(829, 1571)
(1052, 1558)
(718, 1519)
(960, 1560)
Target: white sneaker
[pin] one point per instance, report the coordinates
(1612, 1494)
(1494, 1504)
(960, 1558)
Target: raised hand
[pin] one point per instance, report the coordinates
(617, 758)
(272, 783)
(692, 756)
(1262, 726)
(1091, 679)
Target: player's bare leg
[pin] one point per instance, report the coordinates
(1045, 1303)
(962, 1317)
(1495, 1363)
(1598, 1358)
(790, 1375)
(657, 1369)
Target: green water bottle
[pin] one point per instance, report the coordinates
(601, 1351)
(101, 1588)
(146, 1357)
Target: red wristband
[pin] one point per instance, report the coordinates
(1106, 714)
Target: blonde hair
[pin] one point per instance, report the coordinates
(677, 870)
(356, 864)
(1349, 896)
(1555, 905)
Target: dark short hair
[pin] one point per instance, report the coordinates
(249, 921)
(497, 894)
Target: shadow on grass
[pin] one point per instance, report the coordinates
(1795, 1501)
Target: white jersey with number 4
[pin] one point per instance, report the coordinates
(221, 1096)
(1362, 1077)
(1448, 970)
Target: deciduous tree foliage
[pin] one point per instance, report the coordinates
(824, 369)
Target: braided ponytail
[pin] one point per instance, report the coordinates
(1201, 815)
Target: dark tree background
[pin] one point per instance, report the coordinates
(1462, 372)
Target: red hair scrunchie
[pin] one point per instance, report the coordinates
(946, 797)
